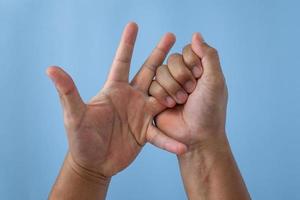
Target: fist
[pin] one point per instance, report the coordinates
(200, 116)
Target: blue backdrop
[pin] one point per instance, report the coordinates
(258, 42)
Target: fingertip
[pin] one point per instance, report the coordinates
(197, 71)
(189, 86)
(170, 102)
(132, 23)
(177, 149)
(181, 96)
(133, 26)
(197, 37)
(166, 42)
(182, 149)
(48, 71)
(130, 33)
(171, 37)
(196, 44)
(52, 71)
(171, 105)
(61, 79)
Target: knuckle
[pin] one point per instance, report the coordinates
(155, 90)
(180, 74)
(160, 71)
(150, 66)
(173, 57)
(187, 48)
(212, 52)
(189, 59)
(160, 51)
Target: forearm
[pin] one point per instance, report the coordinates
(210, 172)
(75, 182)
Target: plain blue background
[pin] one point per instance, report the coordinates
(258, 42)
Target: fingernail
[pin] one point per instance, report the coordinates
(196, 71)
(189, 86)
(181, 96)
(170, 102)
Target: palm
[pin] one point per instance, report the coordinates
(112, 133)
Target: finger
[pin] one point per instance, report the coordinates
(155, 106)
(159, 93)
(121, 63)
(70, 99)
(166, 80)
(143, 78)
(192, 61)
(181, 73)
(208, 55)
(157, 138)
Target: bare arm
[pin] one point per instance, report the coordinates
(210, 172)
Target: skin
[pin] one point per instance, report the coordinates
(208, 168)
(106, 134)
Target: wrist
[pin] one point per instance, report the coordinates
(199, 161)
(75, 182)
(207, 151)
(209, 171)
(87, 174)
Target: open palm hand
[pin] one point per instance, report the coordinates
(106, 134)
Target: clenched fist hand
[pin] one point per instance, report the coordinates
(197, 71)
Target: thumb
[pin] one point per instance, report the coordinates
(70, 99)
(162, 141)
(208, 55)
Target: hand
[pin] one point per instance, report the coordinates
(208, 168)
(203, 115)
(106, 134)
